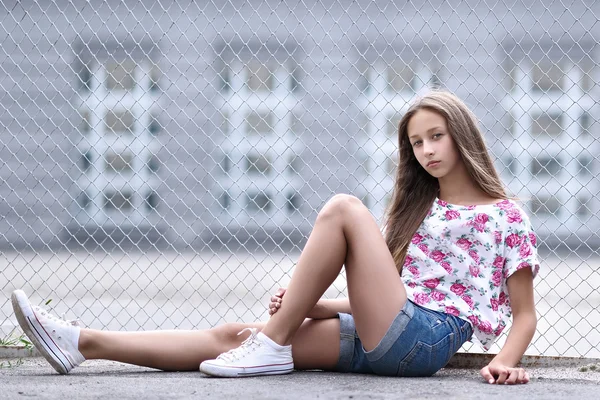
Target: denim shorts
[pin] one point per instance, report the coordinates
(418, 343)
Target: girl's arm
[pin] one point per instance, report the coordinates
(502, 368)
(325, 308)
(328, 308)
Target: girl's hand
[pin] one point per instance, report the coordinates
(276, 301)
(500, 374)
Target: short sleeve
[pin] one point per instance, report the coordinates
(520, 243)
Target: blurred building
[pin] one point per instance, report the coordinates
(200, 124)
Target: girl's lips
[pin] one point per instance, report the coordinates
(433, 164)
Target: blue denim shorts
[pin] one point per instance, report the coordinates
(418, 343)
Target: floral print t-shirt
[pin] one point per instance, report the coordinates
(460, 258)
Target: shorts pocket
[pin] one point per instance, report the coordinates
(425, 359)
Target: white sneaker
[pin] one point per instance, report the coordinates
(56, 339)
(258, 355)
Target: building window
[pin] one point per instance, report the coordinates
(226, 164)
(153, 164)
(545, 205)
(86, 125)
(260, 77)
(154, 126)
(258, 201)
(585, 165)
(86, 161)
(547, 76)
(225, 200)
(258, 164)
(119, 163)
(84, 200)
(119, 122)
(259, 124)
(400, 77)
(154, 76)
(547, 166)
(224, 128)
(120, 75)
(151, 201)
(546, 125)
(392, 125)
(293, 202)
(583, 206)
(118, 200)
(85, 78)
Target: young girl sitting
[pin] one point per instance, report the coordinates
(456, 259)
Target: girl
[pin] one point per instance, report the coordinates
(456, 260)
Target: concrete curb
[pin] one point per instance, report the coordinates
(18, 352)
(478, 360)
(460, 360)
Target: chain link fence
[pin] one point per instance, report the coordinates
(162, 162)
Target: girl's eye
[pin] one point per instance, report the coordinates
(437, 135)
(418, 142)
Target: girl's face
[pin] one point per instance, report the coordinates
(432, 143)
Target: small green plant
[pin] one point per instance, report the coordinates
(583, 369)
(20, 340)
(11, 364)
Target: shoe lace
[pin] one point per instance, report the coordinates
(61, 321)
(246, 347)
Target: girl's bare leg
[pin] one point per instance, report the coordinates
(345, 233)
(315, 346)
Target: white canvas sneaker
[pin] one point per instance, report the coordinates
(56, 339)
(257, 355)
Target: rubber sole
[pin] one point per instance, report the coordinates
(237, 372)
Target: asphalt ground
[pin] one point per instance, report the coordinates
(34, 378)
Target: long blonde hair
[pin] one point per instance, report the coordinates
(415, 189)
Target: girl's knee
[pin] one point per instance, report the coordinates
(340, 205)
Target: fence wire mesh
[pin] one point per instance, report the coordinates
(163, 161)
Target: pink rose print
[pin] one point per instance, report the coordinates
(431, 283)
(474, 320)
(468, 300)
(499, 330)
(458, 288)
(513, 240)
(532, 238)
(481, 218)
(474, 270)
(523, 264)
(502, 298)
(497, 277)
(470, 207)
(442, 203)
(452, 214)
(417, 238)
(494, 304)
(498, 237)
(423, 248)
(463, 243)
(446, 265)
(524, 250)
(452, 310)
(437, 255)
(499, 262)
(408, 260)
(473, 254)
(422, 298)
(413, 270)
(412, 284)
(505, 205)
(485, 327)
(513, 215)
(438, 296)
